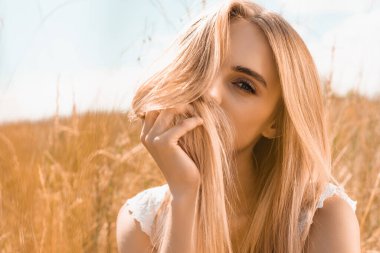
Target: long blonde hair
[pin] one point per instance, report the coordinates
(292, 168)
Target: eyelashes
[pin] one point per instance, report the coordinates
(245, 85)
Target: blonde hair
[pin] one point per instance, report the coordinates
(292, 168)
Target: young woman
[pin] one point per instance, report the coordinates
(237, 126)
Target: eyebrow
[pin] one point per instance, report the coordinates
(251, 73)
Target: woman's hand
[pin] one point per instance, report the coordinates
(161, 140)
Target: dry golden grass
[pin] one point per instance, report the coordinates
(63, 180)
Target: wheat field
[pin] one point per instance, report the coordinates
(64, 179)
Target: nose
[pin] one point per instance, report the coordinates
(215, 93)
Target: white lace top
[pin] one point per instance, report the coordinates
(144, 205)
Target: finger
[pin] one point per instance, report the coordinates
(148, 121)
(173, 134)
(163, 120)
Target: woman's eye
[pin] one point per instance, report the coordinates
(245, 85)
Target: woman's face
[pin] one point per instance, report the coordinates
(247, 86)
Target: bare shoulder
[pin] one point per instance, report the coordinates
(129, 236)
(335, 228)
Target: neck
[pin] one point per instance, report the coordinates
(245, 176)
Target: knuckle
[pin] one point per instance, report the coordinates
(158, 141)
(190, 107)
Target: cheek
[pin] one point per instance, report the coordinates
(248, 123)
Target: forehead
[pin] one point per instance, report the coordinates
(250, 48)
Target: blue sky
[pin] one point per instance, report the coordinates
(96, 52)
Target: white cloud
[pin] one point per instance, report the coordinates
(357, 53)
(355, 63)
(33, 94)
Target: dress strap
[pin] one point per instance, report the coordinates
(332, 189)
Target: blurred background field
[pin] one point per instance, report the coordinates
(64, 179)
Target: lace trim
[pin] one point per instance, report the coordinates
(144, 206)
(332, 189)
(329, 191)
